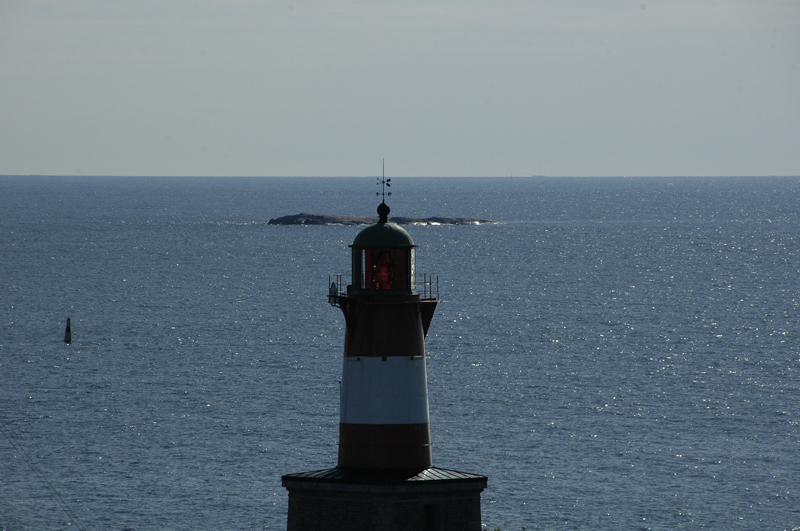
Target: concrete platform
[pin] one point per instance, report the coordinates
(432, 500)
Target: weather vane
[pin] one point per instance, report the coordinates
(385, 183)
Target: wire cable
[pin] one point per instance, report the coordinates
(53, 492)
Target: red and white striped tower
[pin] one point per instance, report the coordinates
(385, 479)
(384, 422)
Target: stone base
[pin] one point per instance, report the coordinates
(431, 500)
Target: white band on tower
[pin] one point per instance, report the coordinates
(391, 390)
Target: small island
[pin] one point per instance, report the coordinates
(325, 219)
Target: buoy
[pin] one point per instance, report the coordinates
(68, 333)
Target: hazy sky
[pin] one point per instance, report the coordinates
(437, 88)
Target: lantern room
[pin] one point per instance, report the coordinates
(383, 258)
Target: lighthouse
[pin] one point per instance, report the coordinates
(385, 478)
(384, 420)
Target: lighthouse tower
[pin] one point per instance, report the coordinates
(384, 479)
(384, 395)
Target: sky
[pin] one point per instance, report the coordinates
(436, 88)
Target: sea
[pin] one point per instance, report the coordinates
(612, 353)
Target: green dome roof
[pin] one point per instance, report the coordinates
(383, 236)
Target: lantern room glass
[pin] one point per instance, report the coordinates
(385, 269)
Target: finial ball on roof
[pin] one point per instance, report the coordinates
(383, 212)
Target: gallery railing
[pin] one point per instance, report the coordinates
(427, 288)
